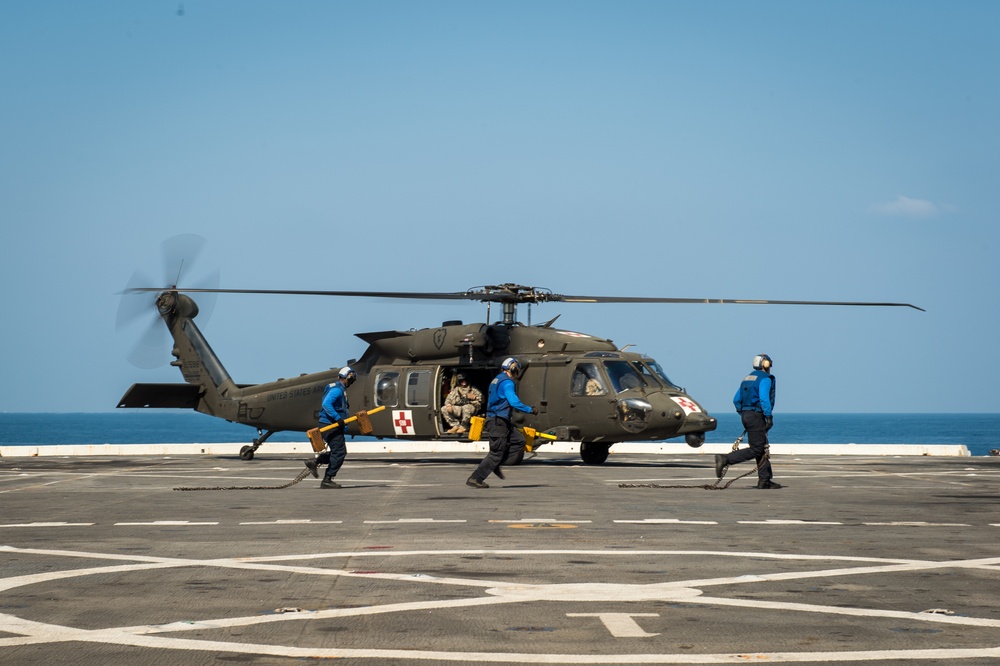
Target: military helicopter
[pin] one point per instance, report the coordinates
(585, 388)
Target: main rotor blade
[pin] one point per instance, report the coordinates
(455, 296)
(511, 297)
(642, 299)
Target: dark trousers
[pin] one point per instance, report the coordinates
(757, 438)
(335, 454)
(504, 440)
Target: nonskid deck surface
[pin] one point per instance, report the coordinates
(857, 559)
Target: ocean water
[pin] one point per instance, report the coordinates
(979, 432)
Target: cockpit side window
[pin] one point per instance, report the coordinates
(662, 375)
(623, 376)
(587, 381)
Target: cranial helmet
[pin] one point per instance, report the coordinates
(348, 375)
(511, 365)
(762, 362)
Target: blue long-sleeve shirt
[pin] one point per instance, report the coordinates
(502, 398)
(334, 405)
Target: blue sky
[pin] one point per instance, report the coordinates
(762, 150)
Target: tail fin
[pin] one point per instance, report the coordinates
(193, 355)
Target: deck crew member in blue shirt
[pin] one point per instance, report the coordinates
(754, 400)
(504, 437)
(333, 410)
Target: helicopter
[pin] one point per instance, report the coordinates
(585, 389)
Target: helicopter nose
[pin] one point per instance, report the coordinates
(662, 416)
(634, 414)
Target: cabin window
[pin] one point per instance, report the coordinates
(387, 389)
(418, 388)
(587, 381)
(623, 376)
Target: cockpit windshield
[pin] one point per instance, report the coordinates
(623, 376)
(662, 375)
(647, 375)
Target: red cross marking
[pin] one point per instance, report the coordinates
(402, 422)
(688, 405)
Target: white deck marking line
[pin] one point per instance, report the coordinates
(843, 610)
(53, 524)
(667, 521)
(777, 521)
(41, 633)
(917, 523)
(161, 523)
(541, 520)
(33, 486)
(560, 551)
(411, 520)
(114, 637)
(297, 521)
(620, 625)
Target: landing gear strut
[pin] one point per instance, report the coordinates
(246, 453)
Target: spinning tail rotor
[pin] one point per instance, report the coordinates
(138, 317)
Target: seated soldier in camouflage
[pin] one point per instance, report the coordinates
(462, 404)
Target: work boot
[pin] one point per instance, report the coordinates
(721, 463)
(473, 482)
(768, 485)
(312, 467)
(329, 483)
(461, 430)
(499, 473)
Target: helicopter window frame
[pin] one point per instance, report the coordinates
(621, 373)
(650, 377)
(419, 387)
(582, 373)
(381, 392)
(661, 373)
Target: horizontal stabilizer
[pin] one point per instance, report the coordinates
(375, 336)
(162, 396)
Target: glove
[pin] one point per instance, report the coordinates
(340, 423)
(768, 422)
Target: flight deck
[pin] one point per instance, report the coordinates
(864, 559)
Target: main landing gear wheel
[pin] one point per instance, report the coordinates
(246, 453)
(594, 453)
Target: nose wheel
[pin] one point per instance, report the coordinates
(694, 439)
